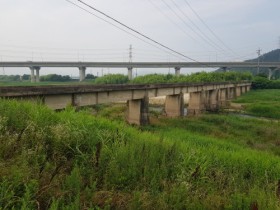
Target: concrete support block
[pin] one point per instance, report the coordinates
(223, 98)
(243, 89)
(37, 74)
(32, 75)
(82, 73)
(129, 73)
(196, 103)
(212, 103)
(238, 91)
(174, 105)
(177, 71)
(248, 88)
(138, 111)
(232, 93)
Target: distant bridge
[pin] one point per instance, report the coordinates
(36, 66)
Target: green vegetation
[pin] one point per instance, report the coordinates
(112, 79)
(195, 77)
(263, 83)
(262, 103)
(9, 78)
(73, 160)
(146, 79)
(55, 78)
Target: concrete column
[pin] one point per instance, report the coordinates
(233, 92)
(196, 103)
(174, 105)
(138, 111)
(82, 73)
(248, 87)
(242, 89)
(129, 73)
(177, 71)
(223, 97)
(238, 91)
(271, 71)
(212, 103)
(37, 74)
(32, 75)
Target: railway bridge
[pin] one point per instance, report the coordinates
(35, 67)
(203, 96)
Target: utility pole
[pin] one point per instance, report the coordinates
(259, 54)
(279, 42)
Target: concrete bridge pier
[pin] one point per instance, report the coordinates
(37, 74)
(177, 71)
(271, 71)
(196, 103)
(212, 103)
(223, 97)
(237, 91)
(82, 73)
(129, 73)
(33, 77)
(174, 105)
(138, 111)
(243, 89)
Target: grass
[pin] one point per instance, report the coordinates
(73, 160)
(262, 103)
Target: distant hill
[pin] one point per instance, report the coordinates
(272, 56)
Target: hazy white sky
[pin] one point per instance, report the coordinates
(55, 30)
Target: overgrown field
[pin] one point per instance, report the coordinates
(262, 103)
(73, 160)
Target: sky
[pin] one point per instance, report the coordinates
(212, 30)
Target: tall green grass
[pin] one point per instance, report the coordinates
(262, 103)
(71, 160)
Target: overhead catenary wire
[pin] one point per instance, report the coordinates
(197, 27)
(190, 27)
(171, 53)
(137, 32)
(211, 31)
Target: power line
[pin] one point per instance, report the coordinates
(191, 28)
(137, 32)
(195, 25)
(211, 31)
(173, 22)
(120, 28)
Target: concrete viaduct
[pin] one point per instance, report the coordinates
(36, 66)
(210, 96)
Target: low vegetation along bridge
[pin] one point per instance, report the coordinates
(36, 66)
(210, 96)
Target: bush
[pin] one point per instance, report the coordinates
(55, 78)
(260, 82)
(112, 79)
